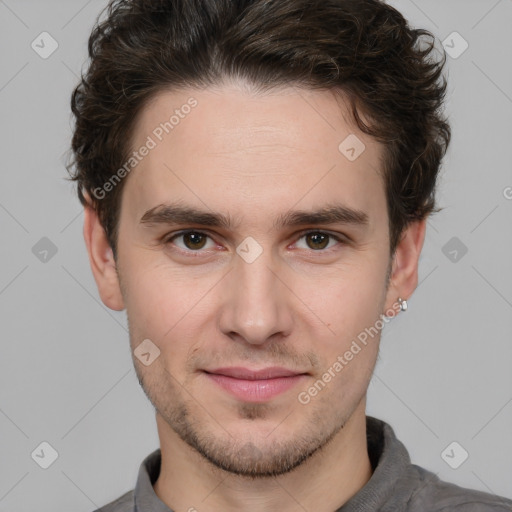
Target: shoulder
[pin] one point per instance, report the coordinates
(124, 503)
(436, 495)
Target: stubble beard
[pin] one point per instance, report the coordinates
(249, 457)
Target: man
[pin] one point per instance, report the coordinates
(256, 177)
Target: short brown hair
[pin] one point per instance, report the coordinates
(363, 48)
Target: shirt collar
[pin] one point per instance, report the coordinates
(144, 495)
(388, 456)
(390, 460)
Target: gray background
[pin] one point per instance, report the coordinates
(66, 373)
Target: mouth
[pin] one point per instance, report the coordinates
(255, 385)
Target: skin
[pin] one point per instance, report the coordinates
(298, 305)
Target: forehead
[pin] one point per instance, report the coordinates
(234, 151)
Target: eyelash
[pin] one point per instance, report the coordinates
(189, 252)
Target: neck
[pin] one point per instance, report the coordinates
(324, 482)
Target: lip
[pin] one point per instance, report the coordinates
(238, 372)
(255, 385)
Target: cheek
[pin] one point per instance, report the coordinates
(349, 306)
(151, 299)
(347, 300)
(167, 309)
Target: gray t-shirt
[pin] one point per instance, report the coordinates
(396, 485)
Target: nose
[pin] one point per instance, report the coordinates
(256, 301)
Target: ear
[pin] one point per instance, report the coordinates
(404, 271)
(101, 259)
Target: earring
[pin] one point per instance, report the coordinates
(403, 304)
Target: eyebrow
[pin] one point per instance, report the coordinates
(175, 213)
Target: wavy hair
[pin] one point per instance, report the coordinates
(362, 48)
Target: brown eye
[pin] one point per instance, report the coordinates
(194, 240)
(191, 241)
(318, 240)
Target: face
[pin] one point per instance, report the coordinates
(257, 278)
